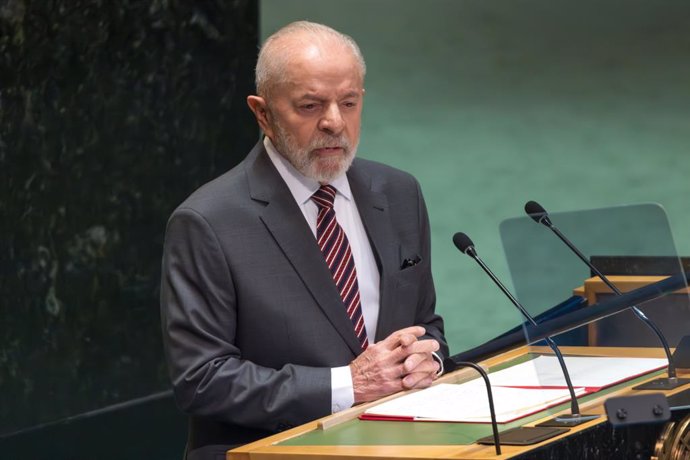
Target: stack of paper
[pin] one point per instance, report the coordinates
(593, 373)
(467, 403)
(518, 391)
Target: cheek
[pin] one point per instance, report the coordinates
(305, 136)
(302, 131)
(353, 123)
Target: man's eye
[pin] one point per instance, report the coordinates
(350, 104)
(309, 106)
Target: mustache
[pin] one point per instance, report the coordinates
(330, 141)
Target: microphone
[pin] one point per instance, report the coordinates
(539, 215)
(465, 245)
(450, 365)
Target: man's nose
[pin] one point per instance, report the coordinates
(332, 120)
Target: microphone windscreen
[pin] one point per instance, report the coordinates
(462, 241)
(534, 210)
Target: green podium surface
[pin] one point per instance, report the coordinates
(370, 433)
(343, 435)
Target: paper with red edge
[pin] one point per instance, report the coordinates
(519, 391)
(468, 403)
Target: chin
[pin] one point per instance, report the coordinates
(326, 170)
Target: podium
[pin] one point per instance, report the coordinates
(343, 435)
(543, 271)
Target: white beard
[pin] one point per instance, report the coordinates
(323, 170)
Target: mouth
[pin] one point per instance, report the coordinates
(326, 151)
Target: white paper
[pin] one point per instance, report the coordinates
(518, 391)
(585, 371)
(468, 402)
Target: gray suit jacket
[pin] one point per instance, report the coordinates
(252, 321)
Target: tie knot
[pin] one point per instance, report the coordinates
(324, 197)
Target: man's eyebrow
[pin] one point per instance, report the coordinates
(311, 96)
(350, 94)
(316, 97)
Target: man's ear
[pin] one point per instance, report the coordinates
(258, 106)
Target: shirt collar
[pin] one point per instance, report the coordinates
(302, 187)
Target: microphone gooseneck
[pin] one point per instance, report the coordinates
(452, 365)
(539, 215)
(465, 245)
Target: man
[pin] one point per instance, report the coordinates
(298, 283)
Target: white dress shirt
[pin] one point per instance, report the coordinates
(368, 277)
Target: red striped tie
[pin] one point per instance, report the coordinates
(336, 249)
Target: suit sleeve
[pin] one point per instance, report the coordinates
(199, 319)
(426, 315)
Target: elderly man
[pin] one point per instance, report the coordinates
(298, 283)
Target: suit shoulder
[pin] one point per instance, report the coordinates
(383, 173)
(219, 195)
(227, 184)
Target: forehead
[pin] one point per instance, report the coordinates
(322, 67)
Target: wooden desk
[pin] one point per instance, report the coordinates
(354, 440)
(671, 313)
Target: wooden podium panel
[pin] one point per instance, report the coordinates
(343, 436)
(671, 313)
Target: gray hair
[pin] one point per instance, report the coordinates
(275, 53)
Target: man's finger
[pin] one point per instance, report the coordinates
(417, 380)
(405, 340)
(422, 346)
(412, 361)
(421, 363)
(394, 339)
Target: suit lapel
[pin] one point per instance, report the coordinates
(375, 214)
(285, 221)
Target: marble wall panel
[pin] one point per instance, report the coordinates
(110, 114)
